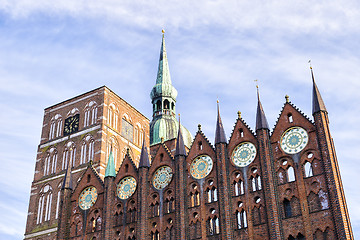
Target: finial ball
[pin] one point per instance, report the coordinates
(239, 114)
(199, 127)
(287, 98)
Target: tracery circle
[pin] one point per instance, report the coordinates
(162, 177)
(243, 154)
(126, 187)
(201, 166)
(294, 140)
(87, 198)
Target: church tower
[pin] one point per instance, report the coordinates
(164, 126)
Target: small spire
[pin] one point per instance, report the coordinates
(180, 146)
(261, 122)
(199, 127)
(219, 133)
(144, 157)
(67, 184)
(110, 168)
(317, 102)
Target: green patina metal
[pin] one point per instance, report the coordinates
(110, 168)
(163, 95)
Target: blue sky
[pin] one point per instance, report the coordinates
(51, 51)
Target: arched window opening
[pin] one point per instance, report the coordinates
(155, 235)
(44, 205)
(287, 208)
(212, 195)
(214, 227)
(158, 105)
(241, 131)
(241, 219)
(173, 106)
(290, 174)
(258, 181)
(200, 145)
(308, 169)
(290, 118)
(166, 104)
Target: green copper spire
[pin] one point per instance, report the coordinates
(110, 168)
(163, 97)
(163, 86)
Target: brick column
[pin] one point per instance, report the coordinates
(269, 184)
(333, 178)
(224, 189)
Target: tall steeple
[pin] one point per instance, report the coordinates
(317, 103)
(110, 168)
(219, 133)
(163, 98)
(261, 122)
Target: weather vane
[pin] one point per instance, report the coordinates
(310, 63)
(256, 81)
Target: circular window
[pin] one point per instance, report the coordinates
(294, 140)
(201, 166)
(162, 177)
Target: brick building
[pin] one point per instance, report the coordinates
(95, 178)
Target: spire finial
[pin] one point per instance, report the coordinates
(261, 121)
(239, 114)
(310, 63)
(318, 104)
(287, 98)
(199, 127)
(144, 157)
(180, 147)
(219, 132)
(110, 168)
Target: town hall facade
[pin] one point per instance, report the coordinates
(105, 171)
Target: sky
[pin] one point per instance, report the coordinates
(51, 51)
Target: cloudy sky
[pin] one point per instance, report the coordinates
(54, 50)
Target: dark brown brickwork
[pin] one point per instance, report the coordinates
(276, 196)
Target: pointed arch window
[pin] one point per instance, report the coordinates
(255, 183)
(214, 227)
(44, 204)
(87, 149)
(90, 116)
(212, 195)
(69, 155)
(55, 126)
(287, 208)
(308, 169)
(241, 219)
(238, 188)
(290, 174)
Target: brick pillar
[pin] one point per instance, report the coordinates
(335, 189)
(63, 231)
(180, 197)
(109, 197)
(269, 184)
(224, 190)
(143, 195)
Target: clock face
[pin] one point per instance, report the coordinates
(294, 140)
(87, 198)
(126, 187)
(71, 124)
(162, 177)
(201, 166)
(243, 154)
